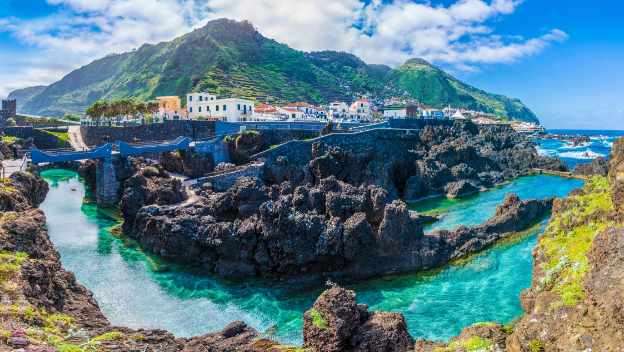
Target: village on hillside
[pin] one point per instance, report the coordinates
(207, 106)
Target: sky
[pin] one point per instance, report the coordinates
(563, 58)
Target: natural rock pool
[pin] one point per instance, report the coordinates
(138, 290)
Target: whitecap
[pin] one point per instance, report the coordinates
(582, 155)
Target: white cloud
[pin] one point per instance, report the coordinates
(461, 35)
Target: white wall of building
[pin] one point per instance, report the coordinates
(361, 110)
(206, 105)
(395, 113)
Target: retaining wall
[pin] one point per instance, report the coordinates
(168, 130)
(300, 152)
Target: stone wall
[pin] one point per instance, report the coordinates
(19, 132)
(300, 152)
(274, 137)
(418, 123)
(41, 138)
(168, 130)
(217, 148)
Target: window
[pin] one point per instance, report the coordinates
(224, 107)
(191, 109)
(238, 106)
(217, 107)
(199, 109)
(208, 108)
(190, 98)
(201, 98)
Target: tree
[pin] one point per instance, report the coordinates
(99, 109)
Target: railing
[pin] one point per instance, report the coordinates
(126, 149)
(61, 156)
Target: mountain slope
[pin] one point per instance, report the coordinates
(432, 86)
(231, 58)
(23, 96)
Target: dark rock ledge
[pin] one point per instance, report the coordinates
(332, 229)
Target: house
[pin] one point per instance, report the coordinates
(169, 106)
(432, 114)
(401, 111)
(292, 113)
(309, 111)
(305, 108)
(206, 105)
(338, 110)
(361, 110)
(395, 112)
(264, 112)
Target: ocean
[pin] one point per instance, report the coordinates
(599, 145)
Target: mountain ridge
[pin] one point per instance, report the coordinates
(232, 58)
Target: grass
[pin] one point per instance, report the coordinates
(318, 320)
(536, 346)
(568, 239)
(471, 344)
(9, 139)
(10, 264)
(63, 137)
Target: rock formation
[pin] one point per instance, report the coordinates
(187, 163)
(332, 228)
(457, 160)
(337, 323)
(598, 166)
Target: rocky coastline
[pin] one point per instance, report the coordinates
(568, 307)
(338, 213)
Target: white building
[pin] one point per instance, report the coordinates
(432, 114)
(292, 113)
(206, 105)
(395, 112)
(361, 110)
(338, 110)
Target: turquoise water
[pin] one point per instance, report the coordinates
(478, 208)
(137, 290)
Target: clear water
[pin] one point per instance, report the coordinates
(478, 208)
(138, 290)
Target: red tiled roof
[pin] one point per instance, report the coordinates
(265, 108)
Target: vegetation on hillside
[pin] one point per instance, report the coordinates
(568, 239)
(232, 59)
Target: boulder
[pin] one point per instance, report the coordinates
(337, 323)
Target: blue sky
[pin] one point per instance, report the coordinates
(564, 59)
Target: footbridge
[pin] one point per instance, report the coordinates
(109, 157)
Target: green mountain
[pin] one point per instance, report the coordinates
(231, 58)
(23, 96)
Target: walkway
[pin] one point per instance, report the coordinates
(75, 138)
(11, 166)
